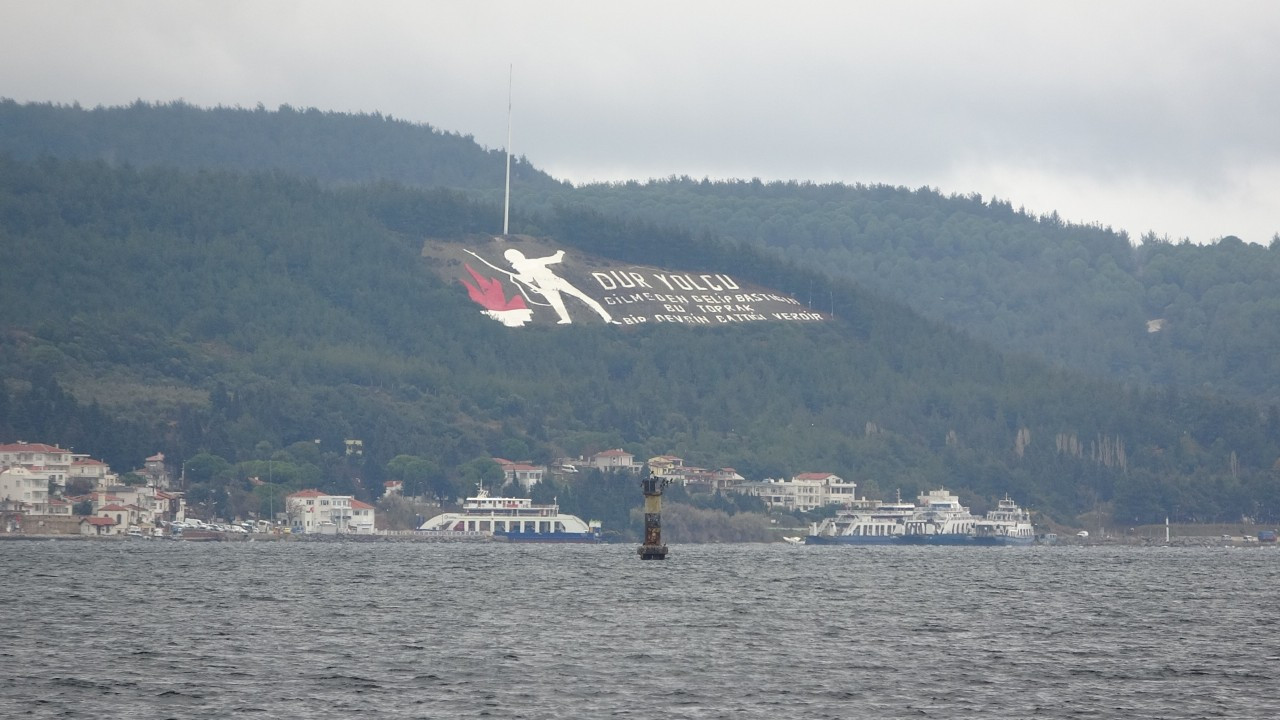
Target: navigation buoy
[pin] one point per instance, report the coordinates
(653, 549)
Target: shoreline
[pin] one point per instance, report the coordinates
(1143, 542)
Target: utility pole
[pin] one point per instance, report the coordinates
(506, 205)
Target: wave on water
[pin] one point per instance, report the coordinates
(734, 631)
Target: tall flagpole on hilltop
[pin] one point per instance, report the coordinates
(506, 205)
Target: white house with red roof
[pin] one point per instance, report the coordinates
(524, 473)
(50, 460)
(95, 525)
(615, 459)
(802, 492)
(393, 487)
(95, 471)
(121, 517)
(154, 470)
(312, 511)
(362, 518)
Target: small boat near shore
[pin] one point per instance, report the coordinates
(513, 519)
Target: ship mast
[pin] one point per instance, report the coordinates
(506, 205)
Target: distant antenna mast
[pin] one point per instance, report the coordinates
(506, 205)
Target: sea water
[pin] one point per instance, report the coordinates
(160, 629)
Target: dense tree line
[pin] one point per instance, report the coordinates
(261, 320)
(1081, 296)
(333, 148)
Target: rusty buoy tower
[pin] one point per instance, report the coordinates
(653, 549)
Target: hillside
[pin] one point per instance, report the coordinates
(333, 148)
(260, 318)
(1080, 296)
(1171, 314)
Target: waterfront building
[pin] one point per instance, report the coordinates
(312, 511)
(27, 490)
(95, 526)
(362, 516)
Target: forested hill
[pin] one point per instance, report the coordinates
(1190, 317)
(263, 319)
(328, 146)
(1198, 317)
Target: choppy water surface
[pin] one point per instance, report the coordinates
(291, 630)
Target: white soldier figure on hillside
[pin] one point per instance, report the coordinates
(535, 275)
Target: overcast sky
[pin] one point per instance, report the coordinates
(1145, 115)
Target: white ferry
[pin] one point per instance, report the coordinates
(514, 519)
(939, 519)
(1007, 524)
(874, 523)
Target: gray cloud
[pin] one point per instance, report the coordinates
(1140, 115)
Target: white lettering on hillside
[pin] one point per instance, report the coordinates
(704, 299)
(632, 296)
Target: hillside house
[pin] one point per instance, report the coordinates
(154, 470)
(615, 459)
(718, 479)
(522, 472)
(803, 492)
(95, 473)
(674, 469)
(666, 466)
(50, 460)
